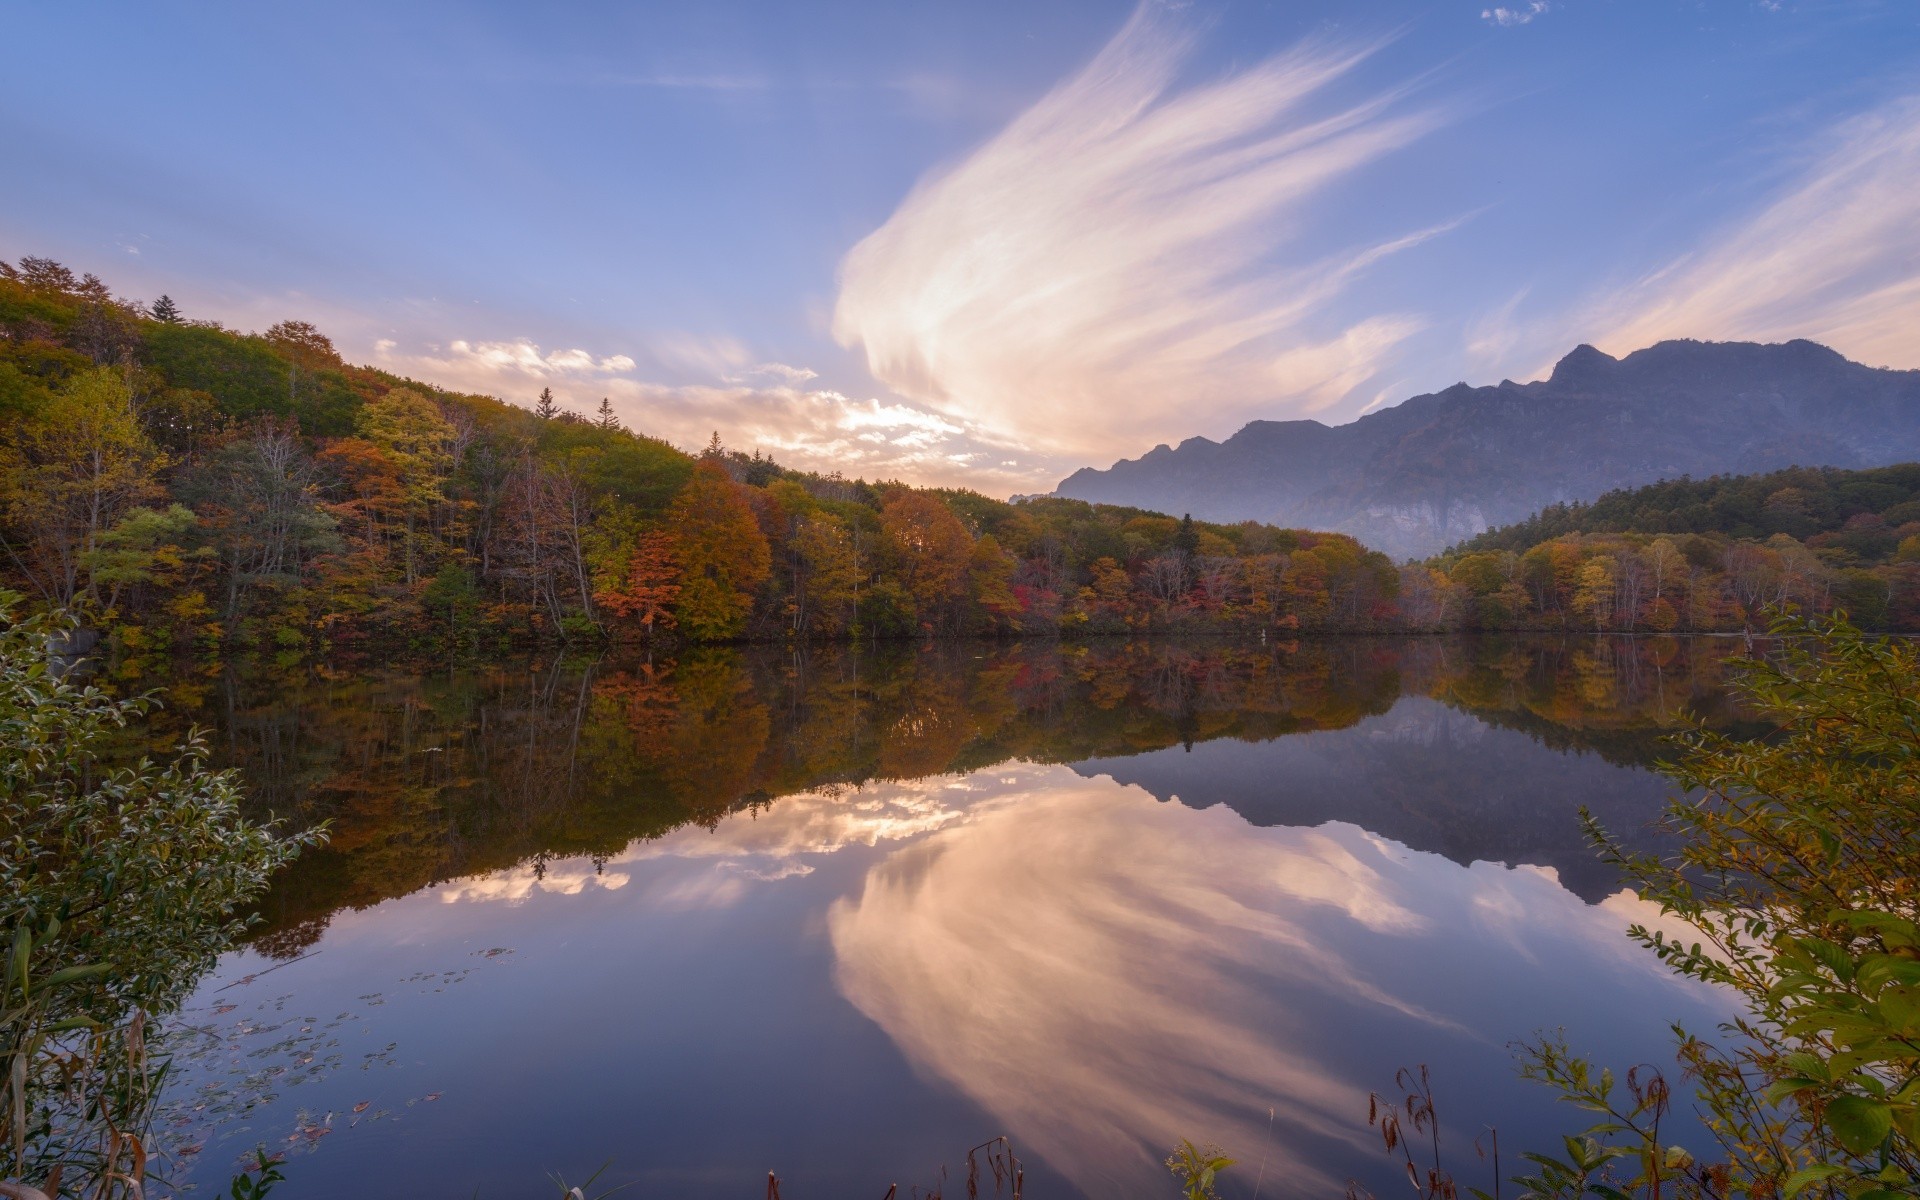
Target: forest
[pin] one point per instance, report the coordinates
(187, 487)
(192, 489)
(1712, 554)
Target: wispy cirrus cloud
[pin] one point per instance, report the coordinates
(1834, 256)
(1128, 253)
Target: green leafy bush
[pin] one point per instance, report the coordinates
(118, 887)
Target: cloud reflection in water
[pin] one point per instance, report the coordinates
(1106, 973)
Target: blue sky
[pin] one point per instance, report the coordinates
(981, 243)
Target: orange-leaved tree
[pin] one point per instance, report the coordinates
(651, 586)
(723, 555)
(930, 548)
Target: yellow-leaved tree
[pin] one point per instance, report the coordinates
(67, 474)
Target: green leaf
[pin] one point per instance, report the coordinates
(71, 974)
(1799, 1180)
(1858, 1123)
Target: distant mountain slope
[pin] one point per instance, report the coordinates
(1446, 466)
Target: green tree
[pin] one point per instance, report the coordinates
(164, 309)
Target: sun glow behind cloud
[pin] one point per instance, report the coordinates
(1128, 255)
(752, 405)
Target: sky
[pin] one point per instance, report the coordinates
(980, 244)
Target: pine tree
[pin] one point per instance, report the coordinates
(607, 419)
(164, 309)
(1186, 539)
(546, 408)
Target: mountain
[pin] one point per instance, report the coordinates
(1440, 468)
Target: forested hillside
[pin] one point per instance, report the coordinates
(188, 486)
(1695, 554)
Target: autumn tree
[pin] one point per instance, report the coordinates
(409, 429)
(990, 586)
(647, 592)
(724, 556)
(929, 548)
(826, 585)
(262, 492)
(67, 474)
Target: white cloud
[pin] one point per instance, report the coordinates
(808, 428)
(525, 358)
(1127, 254)
(1835, 257)
(1506, 18)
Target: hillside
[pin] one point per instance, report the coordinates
(1443, 467)
(184, 486)
(1865, 514)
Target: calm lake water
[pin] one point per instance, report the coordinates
(843, 915)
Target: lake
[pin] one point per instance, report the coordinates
(844, 914)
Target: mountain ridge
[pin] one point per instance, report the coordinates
(1444, 466)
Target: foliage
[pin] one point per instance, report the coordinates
(118, 887)
(1197, 1167)
(329, 506)
(1797, 874)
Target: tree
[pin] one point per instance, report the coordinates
(607, 419)
(408, 427)
(1595, 599)
(118, 888)
(1797, 869)
(826, 589)
(990, 585)
(304, 344)
(1186, 541)
(262, 493)
(929, 547)
(724, 556)
(67, 475)
(647, 592)
(1794, 877)
(545, 408)
(165, 310)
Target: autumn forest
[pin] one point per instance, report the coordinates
(191, 488)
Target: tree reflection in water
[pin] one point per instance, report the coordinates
(431, 776)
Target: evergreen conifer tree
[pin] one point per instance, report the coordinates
(164, 309)
(607, 419)
(546, 408)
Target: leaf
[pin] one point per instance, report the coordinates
(1799, 1180)
(1858, 1123)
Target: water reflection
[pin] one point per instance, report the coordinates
(430, 777)
(840, 913)
(1101, 972)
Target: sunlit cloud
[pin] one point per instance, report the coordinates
(525, 358)
(1129, 256)
(765, 407)
(1834, 256)
(1105, 973)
